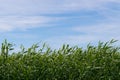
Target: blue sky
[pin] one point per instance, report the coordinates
(74, 22)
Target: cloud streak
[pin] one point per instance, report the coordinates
(103, 32)
(26, 14)
(9, 23)
(22, 14)
(33, 7)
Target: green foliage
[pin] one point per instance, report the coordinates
(100, 62)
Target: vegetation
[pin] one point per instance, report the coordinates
(100, 62)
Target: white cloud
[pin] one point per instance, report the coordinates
(5, 27)
(106, 29)
(9, 23)
(29, 7)
(24, 11)
(103, 31)
(91, 34)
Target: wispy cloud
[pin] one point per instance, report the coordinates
(9, 23)
(98, 29)
(88, 34)
(28, 9)
(103, 32)
(34, 7)
(26, 14)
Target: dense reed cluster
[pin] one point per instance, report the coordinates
(101, 62)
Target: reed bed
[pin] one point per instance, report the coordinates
(101, 62)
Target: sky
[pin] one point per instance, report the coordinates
(58, 22)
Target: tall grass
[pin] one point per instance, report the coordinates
(100, 62)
